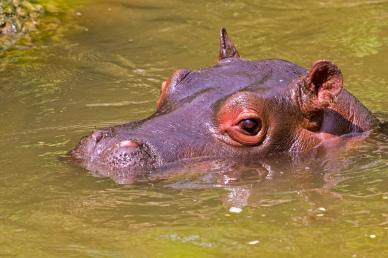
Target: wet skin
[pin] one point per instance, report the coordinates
(237, 109)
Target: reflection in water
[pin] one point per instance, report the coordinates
(111, 73)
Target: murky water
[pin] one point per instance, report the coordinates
(110, 72)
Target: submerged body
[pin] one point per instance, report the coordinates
(237, 109)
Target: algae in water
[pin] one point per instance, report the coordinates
(23, 23)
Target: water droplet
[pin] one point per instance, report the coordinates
(321, 209)
(253, 242)
(235, 210)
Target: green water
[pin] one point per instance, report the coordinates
(109, 71)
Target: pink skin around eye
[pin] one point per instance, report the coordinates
(229, 123)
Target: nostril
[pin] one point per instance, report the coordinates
(128, 143)
(97, 136)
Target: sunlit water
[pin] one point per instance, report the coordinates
(110, 71)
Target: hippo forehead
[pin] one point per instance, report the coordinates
(233, 75)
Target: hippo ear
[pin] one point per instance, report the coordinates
(320, 87)
(227, 48)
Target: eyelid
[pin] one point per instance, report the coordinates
(247, 114)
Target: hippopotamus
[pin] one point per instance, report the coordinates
(237, 109)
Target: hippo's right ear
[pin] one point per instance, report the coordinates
(227, 48)
(320, 87)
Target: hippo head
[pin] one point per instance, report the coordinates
(236, 109)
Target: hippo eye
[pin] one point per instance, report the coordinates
(242, 120)
(250, 126)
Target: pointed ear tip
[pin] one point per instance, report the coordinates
(227, 47)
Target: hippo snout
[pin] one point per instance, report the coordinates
(114, 152)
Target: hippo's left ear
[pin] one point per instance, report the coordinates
(320, 87)
(227, 48)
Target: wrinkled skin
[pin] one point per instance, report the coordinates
(237, 109)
